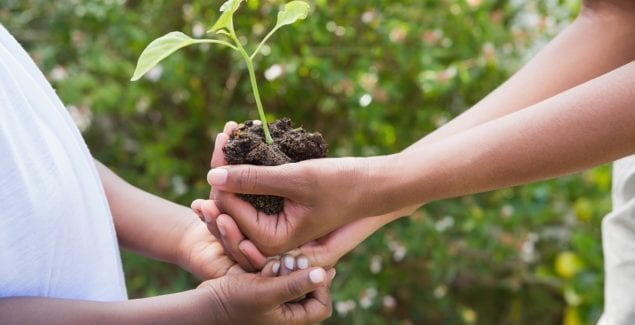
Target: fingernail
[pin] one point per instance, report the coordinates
(333, 274)
(275, 268)
(221, 229)
(289, 262)
(217, 176)
(316, 276)
(303, 263)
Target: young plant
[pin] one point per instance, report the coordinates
(167, 44)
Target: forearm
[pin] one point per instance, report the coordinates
(168, 309)
(601, 39)
(145, 223)
(583, 127)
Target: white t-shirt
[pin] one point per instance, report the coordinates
(57, 237)
(618, 238)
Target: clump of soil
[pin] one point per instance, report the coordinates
(247, 145)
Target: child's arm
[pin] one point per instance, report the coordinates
(237, 299)
(163, 230)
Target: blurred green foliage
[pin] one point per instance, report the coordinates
(373, 76)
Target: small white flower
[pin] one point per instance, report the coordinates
(440, 291)
(198, 30)
(444, 224)
(274, 72)
(375, 264)
(389, 302)
(365, 100)
(155, 73)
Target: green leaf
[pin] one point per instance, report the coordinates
(158, 50)
(292, 12)
(226, 19)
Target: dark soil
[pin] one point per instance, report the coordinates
(247, 145)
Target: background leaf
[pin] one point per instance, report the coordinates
(158, 50)
(292, 12)
(226, 18)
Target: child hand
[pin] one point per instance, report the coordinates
(250, 298)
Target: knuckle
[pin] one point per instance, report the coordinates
(247, 179)
(295, 288)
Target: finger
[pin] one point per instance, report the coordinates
(230, 127)
(196, 207)
(330, 275)
(271, 269)
(239, 245)
(263, 230)
(314, 308)
(251, 252)
(218, 156)
(210, 214)
(283, 180)
(297, 284)
(288, 265)
(302, 262)
(210, 211)
(245, 216)
(231, 238)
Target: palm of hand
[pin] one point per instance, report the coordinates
(203, 255)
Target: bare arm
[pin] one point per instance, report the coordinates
(160, 310)
(587, 125)
(145, 223)
(236, 299)
(583, 127)
(601, 39)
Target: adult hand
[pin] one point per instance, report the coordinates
(250, 298)
(324, 251)
(321, 195)
(248, 257)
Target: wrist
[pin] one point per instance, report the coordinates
(384, 185)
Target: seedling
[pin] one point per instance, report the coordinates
(165, 45)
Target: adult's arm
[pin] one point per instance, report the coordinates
(601, 39)
(585, 126)
(588, 125)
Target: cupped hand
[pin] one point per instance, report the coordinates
(301, 297)
(201, 254)
(320, 196)
(324, 251)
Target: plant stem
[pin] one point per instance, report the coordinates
(254, 87)
(264, 40)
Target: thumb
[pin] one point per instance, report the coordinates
(249, 179)
(296, 285)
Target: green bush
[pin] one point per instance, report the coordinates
(373, 77)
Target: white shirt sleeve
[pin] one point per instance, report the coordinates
(618, 241)
(57, 237)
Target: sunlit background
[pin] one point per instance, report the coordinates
(373, 77)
